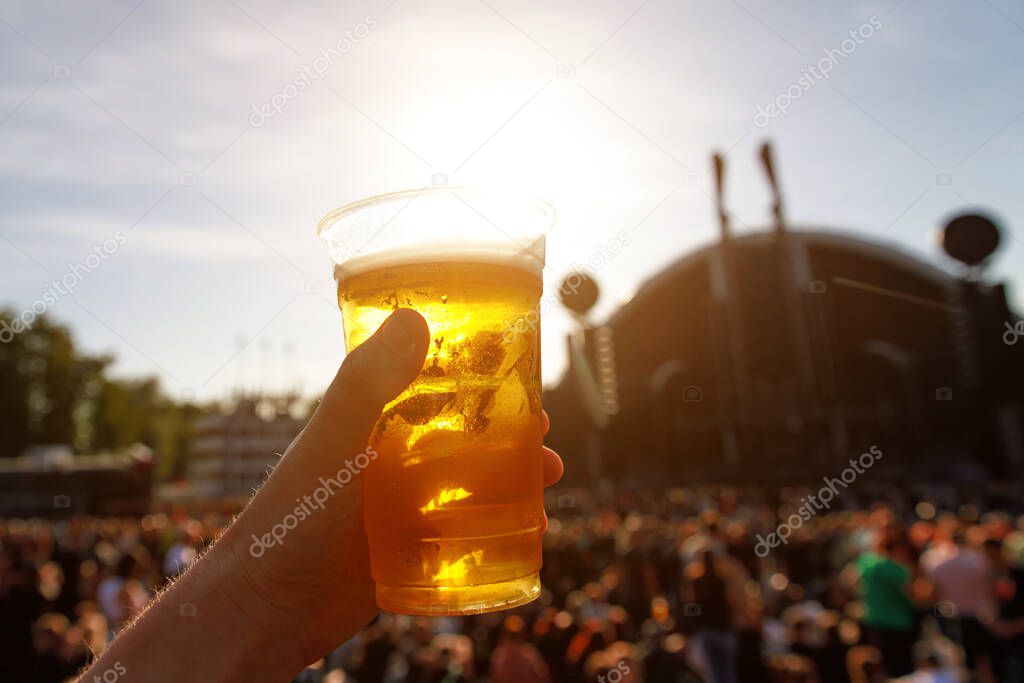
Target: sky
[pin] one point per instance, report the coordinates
(154, 156)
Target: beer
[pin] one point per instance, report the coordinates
(453, 503)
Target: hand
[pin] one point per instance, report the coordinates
(313, 585)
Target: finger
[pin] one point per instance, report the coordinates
(553, 467)
(382, 366)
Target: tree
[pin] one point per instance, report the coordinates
(52, 393)
(44, 383)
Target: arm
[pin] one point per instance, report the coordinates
(281, 587)
(850, 576)
(203, 624)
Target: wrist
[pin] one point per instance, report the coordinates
(205, 627)
(258, 637)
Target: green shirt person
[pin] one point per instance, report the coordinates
(884, 582)
(884, 585)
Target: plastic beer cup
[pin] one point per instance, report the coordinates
(453, 503)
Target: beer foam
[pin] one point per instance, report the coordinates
(529, 258)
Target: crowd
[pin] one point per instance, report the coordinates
(640, 586)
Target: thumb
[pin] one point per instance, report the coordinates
(373, 373)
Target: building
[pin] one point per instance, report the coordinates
(49, 481)
(233, 452)
(778, 355)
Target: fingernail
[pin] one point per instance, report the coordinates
(397, 331)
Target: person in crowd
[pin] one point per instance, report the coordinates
(710, 606)
(121, 595)
(180, 555)
(964, 587)
(818, 641)
(377, 647)
(864, 665)
(48, 640)
(889, 620)
(1008, 626)
(666, 661)
(927, 668)
(21, 604)
(515, 660)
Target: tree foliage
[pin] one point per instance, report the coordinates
(53, 393)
